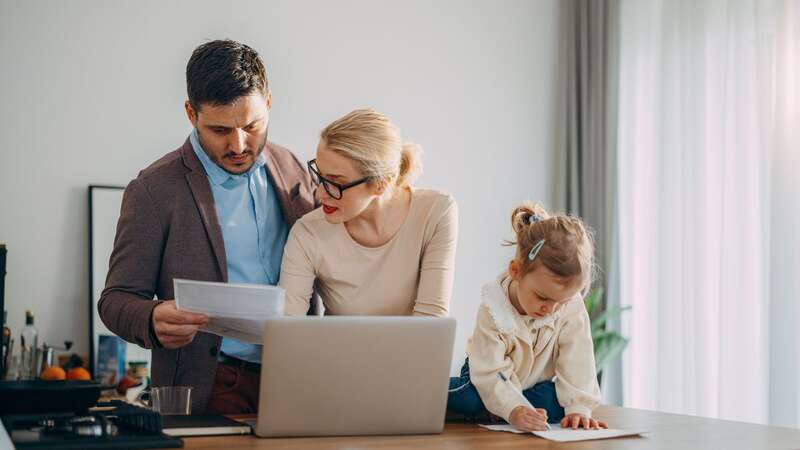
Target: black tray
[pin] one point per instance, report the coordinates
(38, 396)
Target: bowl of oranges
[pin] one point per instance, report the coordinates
(57, 390)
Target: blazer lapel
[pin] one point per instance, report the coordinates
(281, 188)
(204, 199)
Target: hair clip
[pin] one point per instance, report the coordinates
(533, 218)
(535, 250)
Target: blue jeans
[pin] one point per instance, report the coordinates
(463, 398)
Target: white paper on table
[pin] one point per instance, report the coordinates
(5, 439)
(237, 311)
(558, 434)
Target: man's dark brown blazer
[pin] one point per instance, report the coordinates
(168, 228)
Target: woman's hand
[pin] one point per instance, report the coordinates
(527, 419)
(576, 421)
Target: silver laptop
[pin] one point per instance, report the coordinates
(354, 375)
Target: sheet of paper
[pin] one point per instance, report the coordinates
(5, 439)
(237, 311)
(559, 434)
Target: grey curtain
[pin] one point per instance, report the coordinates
(592, 39)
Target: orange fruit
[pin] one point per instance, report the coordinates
(78, 373)
(53, 373)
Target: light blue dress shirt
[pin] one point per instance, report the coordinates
(253, 229)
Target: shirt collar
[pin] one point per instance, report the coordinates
(216, 174)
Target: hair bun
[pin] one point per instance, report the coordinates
(410, 164)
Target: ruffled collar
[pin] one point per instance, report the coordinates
(495, 296)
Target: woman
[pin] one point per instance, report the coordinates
(376, 246)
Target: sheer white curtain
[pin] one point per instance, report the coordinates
(785, 223)
(704, 128)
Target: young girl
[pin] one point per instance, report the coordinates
(532, 327)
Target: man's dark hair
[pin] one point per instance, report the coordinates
(221, 71)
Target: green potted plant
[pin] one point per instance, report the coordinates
(608, 345)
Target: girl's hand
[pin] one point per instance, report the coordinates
(576, 421)
(527, 419)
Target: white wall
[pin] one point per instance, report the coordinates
(92, 92)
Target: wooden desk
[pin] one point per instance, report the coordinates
(667, 431)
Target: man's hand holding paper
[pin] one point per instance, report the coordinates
(234, 310)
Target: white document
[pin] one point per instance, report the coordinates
(5, 439)
(559, 434)
(237, 311)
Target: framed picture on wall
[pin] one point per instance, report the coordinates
(109, 355)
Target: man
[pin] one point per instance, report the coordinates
(219, 208)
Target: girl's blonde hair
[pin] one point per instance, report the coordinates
(568, 249)
(373, 143)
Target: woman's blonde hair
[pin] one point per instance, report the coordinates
(568, 247)
(373, 143)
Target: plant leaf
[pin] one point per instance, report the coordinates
(608, 348)
(608, 344)
(592, 300)
(600, 321)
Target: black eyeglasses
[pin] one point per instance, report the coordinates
(333, 188)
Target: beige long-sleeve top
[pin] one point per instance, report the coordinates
(528, 351)
(410, 274)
